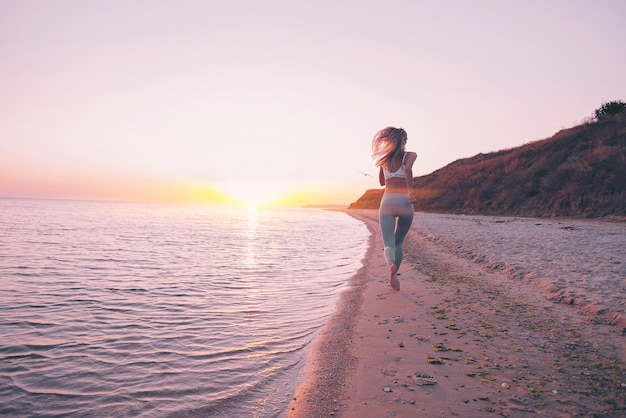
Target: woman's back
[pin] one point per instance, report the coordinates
(395, 179)
(396, 172)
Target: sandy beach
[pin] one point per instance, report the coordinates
(512, 317)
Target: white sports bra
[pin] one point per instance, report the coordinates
(399, 173)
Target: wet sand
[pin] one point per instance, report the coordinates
(506, 326)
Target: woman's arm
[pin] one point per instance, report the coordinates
(381, 177)
(408, 172)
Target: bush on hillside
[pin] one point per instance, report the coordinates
(578, 172)
(609, 109)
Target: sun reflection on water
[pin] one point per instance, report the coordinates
(251, 235)
(252, 217)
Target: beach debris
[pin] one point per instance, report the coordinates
(423, 379)
(440, 347)
(387, 389)
(400, 344)
(505, 385)
(433, 360)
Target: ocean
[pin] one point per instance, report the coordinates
(120, 309)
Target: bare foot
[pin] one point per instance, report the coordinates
(394, 283)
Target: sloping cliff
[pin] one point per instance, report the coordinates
(578, 172)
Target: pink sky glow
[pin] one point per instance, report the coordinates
(277, 100)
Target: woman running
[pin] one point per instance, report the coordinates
(396, 208)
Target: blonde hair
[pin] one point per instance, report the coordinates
(388, 145)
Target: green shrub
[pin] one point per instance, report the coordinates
(609, 109)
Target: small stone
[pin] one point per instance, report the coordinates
(505, 385)
(555, 392)
(387, 389)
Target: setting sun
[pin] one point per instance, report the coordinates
(256, 193)
(217, 102)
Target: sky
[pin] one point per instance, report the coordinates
(277, 101)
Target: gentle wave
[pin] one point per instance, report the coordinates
(112, 309)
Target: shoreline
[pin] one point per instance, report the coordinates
(322, 380)
(491, 343)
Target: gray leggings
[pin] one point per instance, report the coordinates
(396, 216)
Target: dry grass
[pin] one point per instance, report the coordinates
(579, 172)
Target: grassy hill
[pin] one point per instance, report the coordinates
(579, 172)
